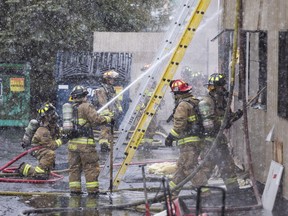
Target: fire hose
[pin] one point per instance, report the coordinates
(11, 172)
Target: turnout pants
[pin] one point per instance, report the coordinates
(83, 158)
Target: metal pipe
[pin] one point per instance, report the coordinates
(147, 209)
(245, 104)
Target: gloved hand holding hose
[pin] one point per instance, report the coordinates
(169, 140)
(234, 117)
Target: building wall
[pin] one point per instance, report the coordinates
(270, 16)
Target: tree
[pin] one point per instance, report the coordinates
(34, 30)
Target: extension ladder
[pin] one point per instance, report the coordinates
(163, 84)
(170, 41)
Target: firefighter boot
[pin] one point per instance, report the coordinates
(75, 193)
(104, 147)
(93, 193)
(232, 185)
(23, 169)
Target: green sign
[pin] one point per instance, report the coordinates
(14, 94)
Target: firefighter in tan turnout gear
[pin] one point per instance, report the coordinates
(186, 131)
(82, 154)
(47, 136)
(103, 95)
(212, 107)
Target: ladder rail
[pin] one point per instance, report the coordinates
(161, 88)
(147, 76)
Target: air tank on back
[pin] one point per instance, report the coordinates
(29, 132)
(67, 111)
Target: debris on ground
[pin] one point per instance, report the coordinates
(166, 168)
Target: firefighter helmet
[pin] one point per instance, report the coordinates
(47, 109)
(217, 79)
(196, 75)
(187, 69)
(186, 73)
(111, 74)
(145, 67)
(78, 92)
(178, 86)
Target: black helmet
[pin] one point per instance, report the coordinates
(78, 92)
(47, 109)
(216, 79)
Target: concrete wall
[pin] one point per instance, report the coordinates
(270, 16)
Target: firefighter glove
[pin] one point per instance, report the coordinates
(25, 144)
(228, 125)
(239, 113)
(112, 122)
(169, 140)
(64, 138)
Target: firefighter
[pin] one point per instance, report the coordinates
(212, 108)
(196, 79)
(82, 154)
(148, 138)
(48, 137)
(186, 131)
(103, 95)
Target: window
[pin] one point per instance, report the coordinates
(283, 75)
(255, 60)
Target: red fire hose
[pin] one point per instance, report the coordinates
(5, 169)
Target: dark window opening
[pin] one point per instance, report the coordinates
(283, 75)
(260, 101)
(254, 47)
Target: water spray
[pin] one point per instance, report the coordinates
(146, 73)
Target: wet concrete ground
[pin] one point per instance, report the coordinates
(56, 195)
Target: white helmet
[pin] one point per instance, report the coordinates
(111, 74)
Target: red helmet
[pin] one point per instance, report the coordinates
(179, 86)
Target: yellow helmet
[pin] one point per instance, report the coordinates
(46, 109)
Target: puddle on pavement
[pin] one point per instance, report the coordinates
(85, 205)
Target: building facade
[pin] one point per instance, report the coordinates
(265, 42)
